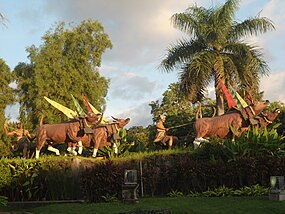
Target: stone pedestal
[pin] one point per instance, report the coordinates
(129, 193)
(277, 189)
(277, 195)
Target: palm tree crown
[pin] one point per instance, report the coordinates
(216, 51)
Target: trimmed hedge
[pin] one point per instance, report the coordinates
(82, 178)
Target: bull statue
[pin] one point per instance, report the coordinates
(222, 126)
(102, 135)
(65, 133)
(266, 118)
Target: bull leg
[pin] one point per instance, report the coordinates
(80, 147)
(115, 149)
(170, 142)
(71, 149)
(41, 138)
(94, 152)
(52, 149)
(197, 142)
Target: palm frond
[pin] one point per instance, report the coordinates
(181, 53)
(195, 76)
(251, 26)
(189, 21)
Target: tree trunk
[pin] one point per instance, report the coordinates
(220, 104)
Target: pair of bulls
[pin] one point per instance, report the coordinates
(79, 132)
(238, 120)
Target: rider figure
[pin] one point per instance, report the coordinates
(161, 135)
(23, 138)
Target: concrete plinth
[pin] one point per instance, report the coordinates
(277, 196)
(129, 193)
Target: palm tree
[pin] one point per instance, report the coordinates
(216, 51)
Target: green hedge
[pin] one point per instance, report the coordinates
(61, 178)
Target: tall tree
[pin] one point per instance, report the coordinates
(215, 51)
(6, 91)
(66, 63)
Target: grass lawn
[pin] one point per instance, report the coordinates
(213, 205)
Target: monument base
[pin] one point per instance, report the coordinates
(129, 193)
(277, 196)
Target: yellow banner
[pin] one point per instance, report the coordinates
(68, 112)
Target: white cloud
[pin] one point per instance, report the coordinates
(273, 87)
(140, 115)
(131, 86)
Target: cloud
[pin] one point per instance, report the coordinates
(131, 86)
(273, 86)
(140, 115)
(139, 30)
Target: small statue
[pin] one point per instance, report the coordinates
(23, 138)
(161, 136)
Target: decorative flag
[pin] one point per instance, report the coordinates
(77, 105)
(91, 108)
(229, 98)
(249, 96)
(68, 112)
(241, 100)
(238, 99)
(87, 104)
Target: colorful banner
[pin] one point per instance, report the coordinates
(228, 95)
(68, 112)
(241, 100)
(77, 105)
(91, 108)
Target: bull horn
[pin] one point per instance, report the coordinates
(115, 118)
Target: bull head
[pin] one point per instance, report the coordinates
(121, 122)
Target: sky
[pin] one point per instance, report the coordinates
(141, 33)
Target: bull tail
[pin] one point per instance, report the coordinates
(199, 111)
(42, 119)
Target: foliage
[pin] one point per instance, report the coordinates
(6, 93)
(103, 179)
(5, 173)
(5, 148)
(109, 198)
(66, 63)
(256, 143)
(223, 191)
(139, 137)
(3, 201)
(25, 183)
(215, 51)
(175, 193)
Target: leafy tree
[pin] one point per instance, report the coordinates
(6, 98)
(138, 136)
(215, 51)
(66, 63)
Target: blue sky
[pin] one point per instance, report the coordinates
(140, 32)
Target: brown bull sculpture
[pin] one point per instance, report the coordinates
(222, 126)
(64, 133)
(266, 118)
(103, 134)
